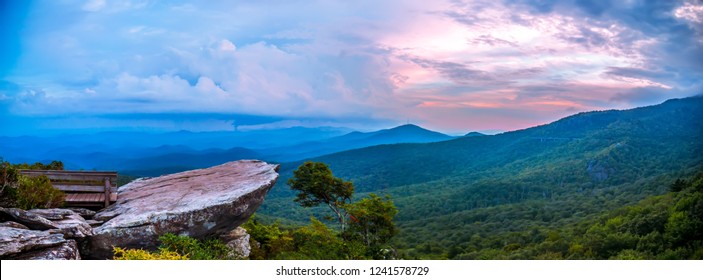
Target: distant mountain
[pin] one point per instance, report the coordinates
(124, 150)
(151, 154)
(474, 134)
(408, 133)
(547, 175)
(181, 161)
(402, 134)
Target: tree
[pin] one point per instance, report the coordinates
(678, 185)
(371, 221)
(317, 185)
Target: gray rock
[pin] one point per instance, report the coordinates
(94, 223)
(198, 203)
(29, 219)
(74, 227)
(13, 225)
(599, 170)
(65, 251)
(238, 242)
(14, 241)
(65, 221)
(85, 213)
(52, 214)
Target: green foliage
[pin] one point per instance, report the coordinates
(318, 242)
(37, 192)
(139, 254)
(17, 190)
(669, 226)
(678, 185)
(315, 184)
(524, 184)
(54, 165)
(315, 241)
(371, 223)
(174, 247)
(123, 179)
(267, 241)
(9, 178)
(211, 249)
(8, 174)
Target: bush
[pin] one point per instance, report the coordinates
(139, 254)
(194, 249)
(37, 192)
(8, 174)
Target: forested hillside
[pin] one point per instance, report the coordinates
(450, 193)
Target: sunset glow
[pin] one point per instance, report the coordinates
(513, 63)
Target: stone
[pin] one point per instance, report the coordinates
(14, 241)
(29, 219)
(13, 225)
(199, 203)
(85, 213)
(237, 241)
(94, 223)
(52, 214)
(74, 227)
(65, 251)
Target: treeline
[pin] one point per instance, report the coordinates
(668, 226)
(473, 193)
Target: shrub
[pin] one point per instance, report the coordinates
(139, 254)
(8, 184)
(194, 249)
(8, 174)
(37, 192)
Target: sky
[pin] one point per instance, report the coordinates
(451, 66)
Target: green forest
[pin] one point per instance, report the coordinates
(473, 196)
(617, 184)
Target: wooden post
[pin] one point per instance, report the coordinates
(107, 191)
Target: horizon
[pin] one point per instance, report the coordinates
(94, 66)
(253, 128)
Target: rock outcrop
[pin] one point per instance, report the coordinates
(238, 242)
(199, 203)
(26, 235)
(28, 219)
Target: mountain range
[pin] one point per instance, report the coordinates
(154, 154)
(458, 197)
(547, 176)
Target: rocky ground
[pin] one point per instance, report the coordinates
(202, 203)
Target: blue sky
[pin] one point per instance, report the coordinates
(452, 66)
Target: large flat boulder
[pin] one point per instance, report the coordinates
(198, 203)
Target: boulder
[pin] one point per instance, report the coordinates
(85, 213)
(73, 226)
(65, 251)
(52, 214)
(62, 221)
(94, 223)
(238, 242)
(29, 219)
(13, 225)
(198, 203)
(14, 241)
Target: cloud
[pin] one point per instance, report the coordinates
(517, 62)
(94, 5)
(641, 96)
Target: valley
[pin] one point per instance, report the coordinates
(465, 197)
